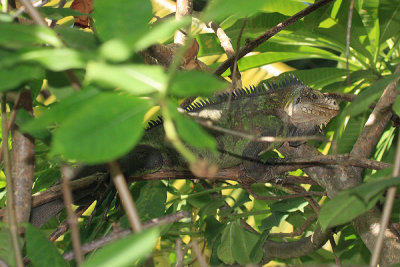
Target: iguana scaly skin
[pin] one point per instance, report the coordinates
(282, 110)
(279, 110)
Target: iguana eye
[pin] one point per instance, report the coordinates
(314, 96)
(298, 100)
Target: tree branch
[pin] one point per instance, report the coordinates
(250, 46)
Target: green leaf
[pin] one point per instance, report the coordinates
(14, 76)
(237, 245)
(272, 220)
(56, 13)
(349, 204)
(220, 9)
(78, 39)
(369, 95)
(193, 134)
(59, 111)
(288, 7)
(126, 19)
(136, 79)
(54, 59)
(389, 19)
(161, 31)
(290, 205)
(125, 252)
(6, 249)
(273, 57)
(352, 131)
(40, 250)
(18, 35)
(151, 201)
(195, 83)
(106, 127)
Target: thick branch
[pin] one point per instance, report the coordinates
(23, 158)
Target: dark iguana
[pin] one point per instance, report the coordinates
(286, 109)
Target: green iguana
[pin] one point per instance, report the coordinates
(286, 109)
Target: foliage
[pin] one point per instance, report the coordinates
(105, 120)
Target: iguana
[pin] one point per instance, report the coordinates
(289, 108)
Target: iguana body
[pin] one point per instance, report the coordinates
(287, 109)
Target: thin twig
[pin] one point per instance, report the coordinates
(334, 249)
(179, 253)
(200, 258)
(387, 210)
(67, 174)
(298, 195)
(343, 160)
(183, 8)
(250, 46)
(11, 121)
(267, 139)
(300, 230)
(22, 8)
(33, 13)
(348, 35)
(98, 243)
(235, 70)
(125, 195)
(12, 221)
(64, 226)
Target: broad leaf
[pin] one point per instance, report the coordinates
(14, 76)
(125, 252)
(126, 19)
(193, 134)
(40, 250)
(220, 9)
(18, 35)
(237, 245)
(195, 83)
(349, 204)
(136, 79)
(106, 127)
(151, 201)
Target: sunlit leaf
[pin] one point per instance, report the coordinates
(106, 127)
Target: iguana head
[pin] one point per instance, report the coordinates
(308, 108)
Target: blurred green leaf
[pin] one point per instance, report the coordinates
(135, 79)
(125, 252)
(77, 39)
(195, 83)
(56, 13)
(58, 112)
(106, 127)
(389, 19)
(18, 35)
(53, 59)
(40, 250)
(126, 19)
(220, 9)
(14, 76)
(161, 31)
(193, 134)
(349, 204)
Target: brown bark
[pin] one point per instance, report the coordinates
(23, 157)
